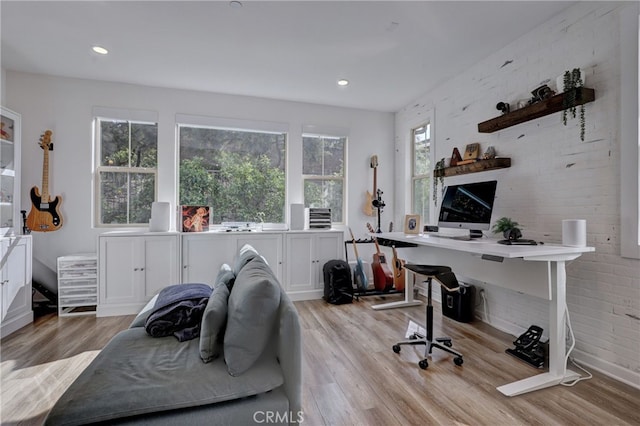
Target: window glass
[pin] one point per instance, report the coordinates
(240, 174)
(421, 174)
(127, 171)
(323, 163)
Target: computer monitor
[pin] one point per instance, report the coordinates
(468, 206)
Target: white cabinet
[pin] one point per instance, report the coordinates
(132, 268)
(10, 219)
(306, 254)
(77, 285)
(15, 278)
(204, 253)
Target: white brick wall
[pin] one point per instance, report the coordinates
(553, 176)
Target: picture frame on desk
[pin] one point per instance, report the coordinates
(412, 224)
(194, 218)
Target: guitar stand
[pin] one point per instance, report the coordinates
(379, 205)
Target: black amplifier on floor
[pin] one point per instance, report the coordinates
(459, 305)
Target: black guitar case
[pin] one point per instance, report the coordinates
(338, 287)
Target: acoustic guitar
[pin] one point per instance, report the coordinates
(382, 274)
(45, 212)
(368, 203)
(360, 277)
(398, 271)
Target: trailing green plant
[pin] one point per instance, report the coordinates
(438, 178)
(572, 81)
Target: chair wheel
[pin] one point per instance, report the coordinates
(423, 364)
(447, 343)
(396, 348)
(458, 361)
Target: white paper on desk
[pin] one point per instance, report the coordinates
(413, 328)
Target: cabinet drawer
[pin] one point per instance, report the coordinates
(78, 264)
(77, 283)
(77, 301)
(87, 291)
(77, 274)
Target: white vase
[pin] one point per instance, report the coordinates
(560, 81)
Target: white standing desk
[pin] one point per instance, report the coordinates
(534, 270)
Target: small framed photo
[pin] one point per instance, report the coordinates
(195, 218)
(412, 224)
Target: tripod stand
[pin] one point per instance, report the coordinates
(379, 205)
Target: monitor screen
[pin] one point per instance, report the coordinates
(468, 206)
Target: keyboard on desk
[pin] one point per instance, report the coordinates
(520, 242)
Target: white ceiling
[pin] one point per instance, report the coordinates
(391, 51)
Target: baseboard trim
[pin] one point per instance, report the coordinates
(14, 324)
(607, 368)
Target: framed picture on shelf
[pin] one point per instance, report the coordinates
(412, 224)
(195, 218)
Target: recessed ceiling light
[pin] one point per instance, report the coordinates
(100, 50)
(343, 82)
(235, 4)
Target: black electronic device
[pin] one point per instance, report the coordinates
(518, 242)
(468, 206)
(528, 347)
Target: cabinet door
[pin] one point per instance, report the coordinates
(120, 263)
(327, 247)
(160, 266)
(300, 264)
(269, 246)
(203, 255)
(16, 294)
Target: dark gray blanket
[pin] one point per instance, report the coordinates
(178, 311)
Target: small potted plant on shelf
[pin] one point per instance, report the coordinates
(508, 228)
(573, 80)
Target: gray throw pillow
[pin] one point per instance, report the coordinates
(253, 308)
(214, 320)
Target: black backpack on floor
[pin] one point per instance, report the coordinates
(338, 287)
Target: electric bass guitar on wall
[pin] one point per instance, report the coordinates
(368, 202)
(45, 214)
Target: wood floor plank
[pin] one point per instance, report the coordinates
(350, 374)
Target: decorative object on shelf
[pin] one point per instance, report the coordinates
(508, 228)
(471, 154)
(45, 212)
(489, 154)
(503, 107)
(573, 80)
(438, 173)
(455, 157)
(412, 224)
(478, 166)
(541, 93)
(195, 218)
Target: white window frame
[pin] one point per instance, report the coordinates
(130, 116)
(429, 175)
(314, 131)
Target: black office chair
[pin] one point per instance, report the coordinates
(447, 279)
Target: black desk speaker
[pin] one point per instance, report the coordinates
(459, 305)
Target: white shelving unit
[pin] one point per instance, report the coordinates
(77, 285)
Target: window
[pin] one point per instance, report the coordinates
(239, 173)
(126, 171)
(323, 170)
(421, 171)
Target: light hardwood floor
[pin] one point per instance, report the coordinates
(351, 375)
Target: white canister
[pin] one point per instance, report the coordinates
(160, 212)
(574, 232)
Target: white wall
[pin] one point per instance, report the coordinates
(64, 105)
(553, 176)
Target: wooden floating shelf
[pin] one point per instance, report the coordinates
(537, 110)
(478, 166)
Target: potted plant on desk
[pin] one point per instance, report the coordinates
(508, 228)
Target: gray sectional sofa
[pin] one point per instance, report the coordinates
(245, 368)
